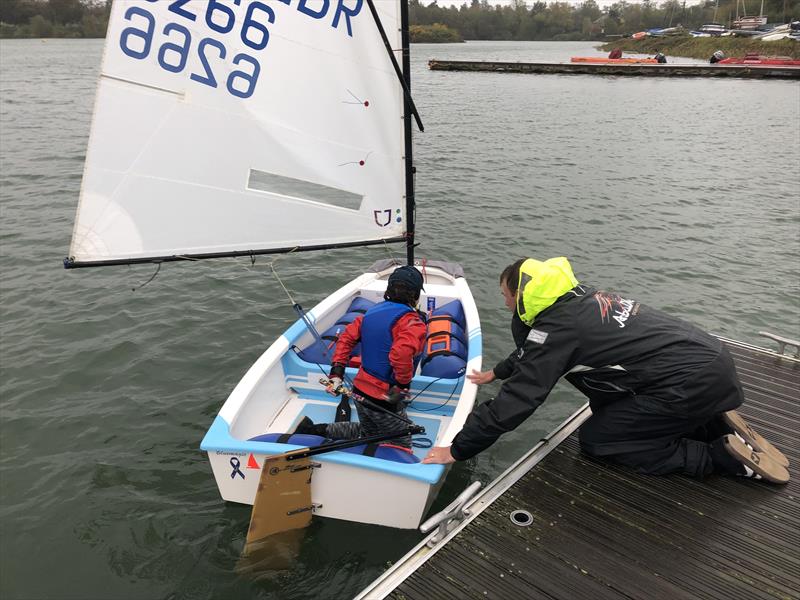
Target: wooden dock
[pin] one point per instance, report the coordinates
(628, 70)
(604, 532)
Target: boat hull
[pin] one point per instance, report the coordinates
(761, 60)
(281, 388)
(340, 491)
(612, 61)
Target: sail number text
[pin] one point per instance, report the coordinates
(137, 40)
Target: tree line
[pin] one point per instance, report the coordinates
(54, 18)
(542, 21)
(476, 20)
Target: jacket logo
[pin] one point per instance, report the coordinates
(616, 308)
(621, 315)
(536, 336)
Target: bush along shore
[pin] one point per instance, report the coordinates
(703, 48)
(434, 34)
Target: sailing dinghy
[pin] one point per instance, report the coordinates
(225, 129)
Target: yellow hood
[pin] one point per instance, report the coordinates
(541, 284)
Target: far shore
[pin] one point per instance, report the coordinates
(678, 46)
(702, 48)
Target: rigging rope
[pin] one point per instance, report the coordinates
(153, 276)
(392, 257)
(275, 273)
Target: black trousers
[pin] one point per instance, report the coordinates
(670, 429)
(371, 422)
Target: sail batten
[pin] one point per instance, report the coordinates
(220, 127)
(140, 84)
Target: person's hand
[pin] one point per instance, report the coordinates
(439, 455)
(481, 377)
(396, 394)
(334, 383)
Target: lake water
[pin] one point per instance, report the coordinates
(683, 193)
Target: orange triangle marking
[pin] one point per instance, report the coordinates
(251, 462)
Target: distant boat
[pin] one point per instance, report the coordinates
(712, 29)
(743, 33)
(601, 60)
(758, 59)
(752, 22)
(662, 31)
(776, 33)
(639, 35)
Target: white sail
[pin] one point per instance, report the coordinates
(225, 126)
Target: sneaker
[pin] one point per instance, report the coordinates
(306, 425)
(755, 463)
(752, 438)
(309, 427)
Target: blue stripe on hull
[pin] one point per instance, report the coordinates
(218, 438)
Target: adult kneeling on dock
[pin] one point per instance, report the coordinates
(663, 393)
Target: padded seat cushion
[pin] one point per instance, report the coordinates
(311, 441)
(298, 439)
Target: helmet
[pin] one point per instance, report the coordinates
(719, 55)
(408, 275)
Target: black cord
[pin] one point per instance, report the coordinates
(425, 388)
(442, 404)
(158, 269)
(455, 387)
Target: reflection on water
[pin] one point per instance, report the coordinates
(277, 552)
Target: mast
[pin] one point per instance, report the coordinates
(409, 154)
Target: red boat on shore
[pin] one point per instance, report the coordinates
(600, 60)
(758, 59)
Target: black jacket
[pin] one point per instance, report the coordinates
(609, 347)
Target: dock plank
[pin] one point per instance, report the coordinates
(626, 70)
(602, 531)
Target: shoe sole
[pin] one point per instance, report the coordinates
(759, 462)
(740, 426)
